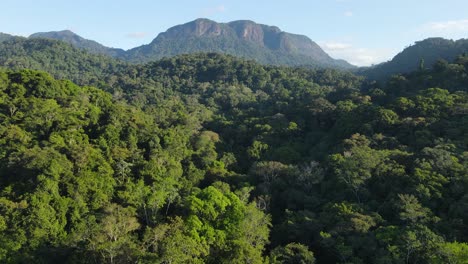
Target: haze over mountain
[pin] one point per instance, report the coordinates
(423, 54)
(243, 38)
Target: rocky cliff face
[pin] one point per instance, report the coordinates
(204, 27)
(249, 31)
(197, 28)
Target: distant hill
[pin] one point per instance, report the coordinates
(262, 43)
(79, 42)
(60, 59)
(247, 39)
(423, 53)
(265, 44)
(4, 37)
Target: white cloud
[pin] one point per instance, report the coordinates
(355, 55)
(451, 26)
(213, 10)
(348, 14)
(137, 35)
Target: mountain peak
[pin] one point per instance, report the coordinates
(79, 42)
(55, 34)
(244, 38)
(202, 20)
(204, 26)
(435, 40)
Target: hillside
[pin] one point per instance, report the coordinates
(79, 42)
(246, 39)
(4, 37)
(424, 53)
(265, 44)
(58, 58)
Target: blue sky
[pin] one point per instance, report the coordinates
(363, 32)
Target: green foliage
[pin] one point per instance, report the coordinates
(220, 221)
(210, 159)
(418, 57)
(79, 42)
(292, 253)
(454, 252)
(57, 58)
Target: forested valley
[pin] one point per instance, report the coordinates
(207, 158)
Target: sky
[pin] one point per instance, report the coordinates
(363, 32)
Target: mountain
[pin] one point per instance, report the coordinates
(243, 38)
(262, 43)
(60, 59)
(80, 42)
(4, 37)
(265, 44)
(423, 53)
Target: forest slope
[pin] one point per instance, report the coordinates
(208, 158)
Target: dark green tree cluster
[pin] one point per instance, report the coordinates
(88, 179)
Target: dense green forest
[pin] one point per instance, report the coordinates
(58, 58)
(207, 158)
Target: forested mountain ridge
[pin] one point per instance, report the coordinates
(79, 42)
(262, 43)
(208, 158)
(4, 37)
(60, 59)
(246, 39)
(422, 55)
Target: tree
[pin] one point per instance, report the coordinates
(452, 253)
(355, 166)
(411, 211)
(112, 238)
(234, 232)
(292, 253)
